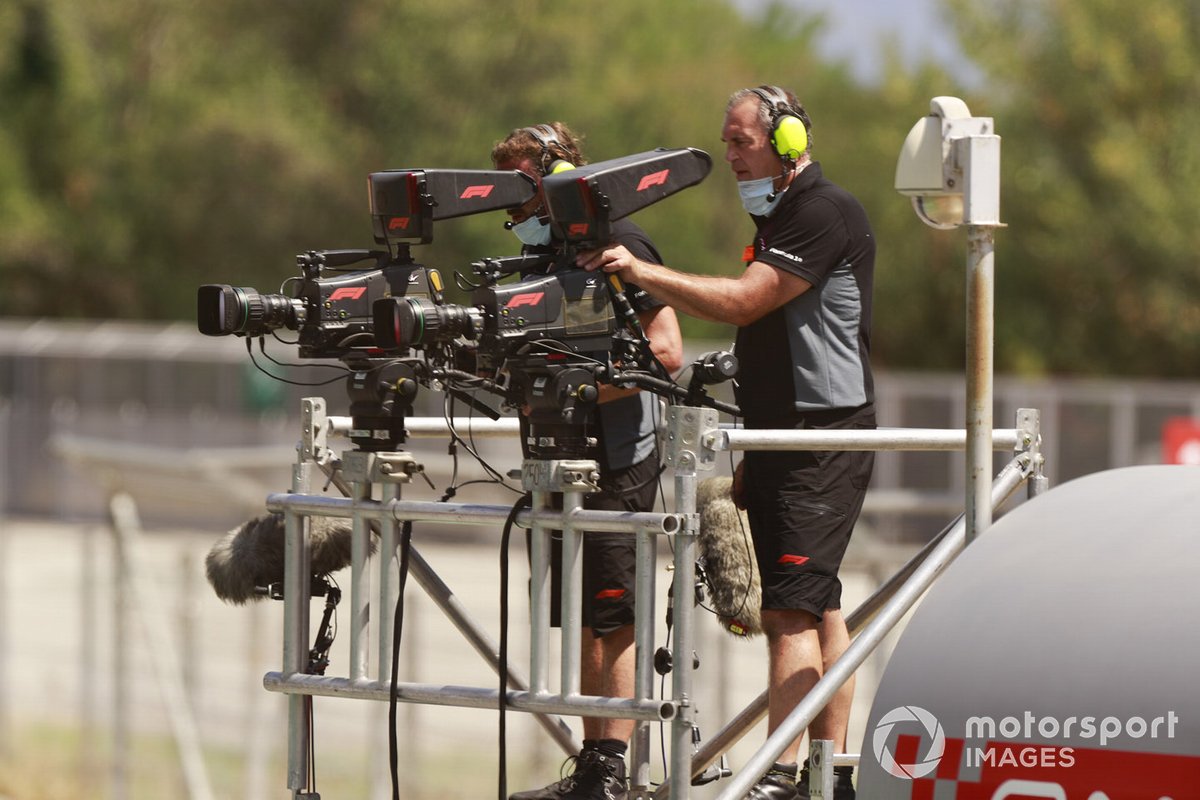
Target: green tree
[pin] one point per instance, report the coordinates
(163, 145)
(160, 157)
(1098, 103)
(149, 147)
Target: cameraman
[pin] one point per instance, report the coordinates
(624, 424)
(803, 310)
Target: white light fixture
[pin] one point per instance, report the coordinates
(937, 164)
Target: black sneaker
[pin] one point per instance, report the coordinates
(595, 777)
(554, 790)
(774, 786)
(843, 788)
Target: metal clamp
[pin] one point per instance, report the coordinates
(568, 475)
(386, 467)
(820, 769)
(1029, 440)
(314, 436)
(690, 437)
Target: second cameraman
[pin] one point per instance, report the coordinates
(624, 425)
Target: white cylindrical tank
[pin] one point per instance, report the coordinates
(1057, 657)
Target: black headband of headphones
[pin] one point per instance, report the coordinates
(775, 98)
(547, 138)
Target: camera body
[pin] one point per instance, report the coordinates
(542, 344)
(333, 312)
(330, 304)
(570, 308)
(567, 311)
(545, 341)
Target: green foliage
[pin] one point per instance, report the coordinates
(148, 147)
(1098, 104)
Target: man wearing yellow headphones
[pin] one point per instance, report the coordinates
(624, 422)
(802, 305)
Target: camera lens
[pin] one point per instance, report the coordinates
(399, 322)
(219, 310)
(222, 310)
(403, 322)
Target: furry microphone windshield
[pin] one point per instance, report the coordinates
(251, 556)
(727, 558)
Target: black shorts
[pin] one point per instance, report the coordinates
(802, 507)
(609, 559)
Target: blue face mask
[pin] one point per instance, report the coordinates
(755, 196)
(532, 231)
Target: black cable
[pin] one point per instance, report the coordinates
(397, 632)
(662, 728)
(365, 335)
(745, 538)
(524, 502)
(556, 347)
(259, 367)
(342, 368)
(312, 744)
(497, 477)
(464, 283)
(656, 478)
(452, 448)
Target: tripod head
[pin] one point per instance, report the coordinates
(381, 392)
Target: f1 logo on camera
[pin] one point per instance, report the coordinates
(653, 179)
(482, 190)
(526, 299)
(398, 223)
(347, 293)
(578, 229)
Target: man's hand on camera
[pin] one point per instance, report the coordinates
(614, 258)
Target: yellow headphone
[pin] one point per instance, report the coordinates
(789, 124)
(548, 138)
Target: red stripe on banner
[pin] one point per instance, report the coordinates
(923, 789)
(1054, 768)
(948, 767)
(908, 747)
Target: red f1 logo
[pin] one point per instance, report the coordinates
(653, 179)
(526, 299)
(577, 229)
(610, 594)
(476, 191)
(400, 223)
(348, 293)
(788, 558)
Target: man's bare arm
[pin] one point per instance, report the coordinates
(759, 290)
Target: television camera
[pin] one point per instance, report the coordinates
(545, 342)
(330, 303)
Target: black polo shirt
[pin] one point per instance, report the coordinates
(811, 354)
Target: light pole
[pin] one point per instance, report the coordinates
(950, 166)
